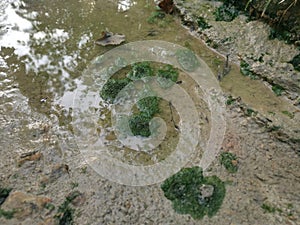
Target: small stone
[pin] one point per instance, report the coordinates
(108, 38)
(56, 172)
(206, 190)
(24, 204)
(30, 157)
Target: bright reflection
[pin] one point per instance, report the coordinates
(124, 5)
(14, 30)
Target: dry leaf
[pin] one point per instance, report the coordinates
(167, 6)
(108, 38)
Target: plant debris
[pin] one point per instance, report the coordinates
(167, 6)
(108, 38)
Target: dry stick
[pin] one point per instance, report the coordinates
(172, 118)
(226, 68)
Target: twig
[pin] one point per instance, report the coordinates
(172, 118)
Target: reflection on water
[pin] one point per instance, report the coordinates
(52, 45)
(124, 5)
(45, 46)
(14, 29)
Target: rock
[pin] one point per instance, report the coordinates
(32, 156)
(108, 38)
(76, 198)
(56, 172)
(24, 204)
(206, 191)
(167, 6)
(247, 41)
(49, 221)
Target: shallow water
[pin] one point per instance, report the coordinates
(47, 45)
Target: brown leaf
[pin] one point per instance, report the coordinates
(108, 38)
(167, 6)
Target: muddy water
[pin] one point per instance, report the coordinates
(46, 46)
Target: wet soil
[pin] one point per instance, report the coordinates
(38, 75)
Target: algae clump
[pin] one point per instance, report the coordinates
(192, 193)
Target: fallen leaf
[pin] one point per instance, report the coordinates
(167, 6)
(108, 38)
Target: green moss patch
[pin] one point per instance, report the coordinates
(187, 59)
(277, 89)
(168, 72)
(289, 114)
(156, 16)
(296, 62)
(4, 192)
(65, 213)
(149, 105)
(112, 87)
(230, 100)
(192, 193)
(229, 161)
(226, 12)
(202, 24)
(139, 125)
(245, 69)
(140, 70)
(269, 208)
(7, 214)
(167, 76)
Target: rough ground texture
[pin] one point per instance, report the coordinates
(248, 41)
(44, 168)
(268, 175)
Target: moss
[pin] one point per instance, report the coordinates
(156, 16)
(281, 34)
(277, 89)
(112, 87)
(230, 100)
(169, 75)
(65, 213)
(211, 43)
(139, 122)
(245, 69)
(187, 59)
(250, 112)
(4, 192)
(273, 128)
(168, 72)
(67, 216)
(7, 214)
(202, 24)
(140, 70)
(149, 105)
(139, 125)
(226, 12)
(49, 206)
(268, 208)
(296, 62)
(229, 161)
(289, 114)
(184, 190)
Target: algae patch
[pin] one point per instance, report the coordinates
(192, 193)
(229, 161)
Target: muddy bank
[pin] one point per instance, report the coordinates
(248, 45)
(246, 41)
(50, 181)
(282, 16)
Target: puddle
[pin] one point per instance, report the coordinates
(46, 46)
